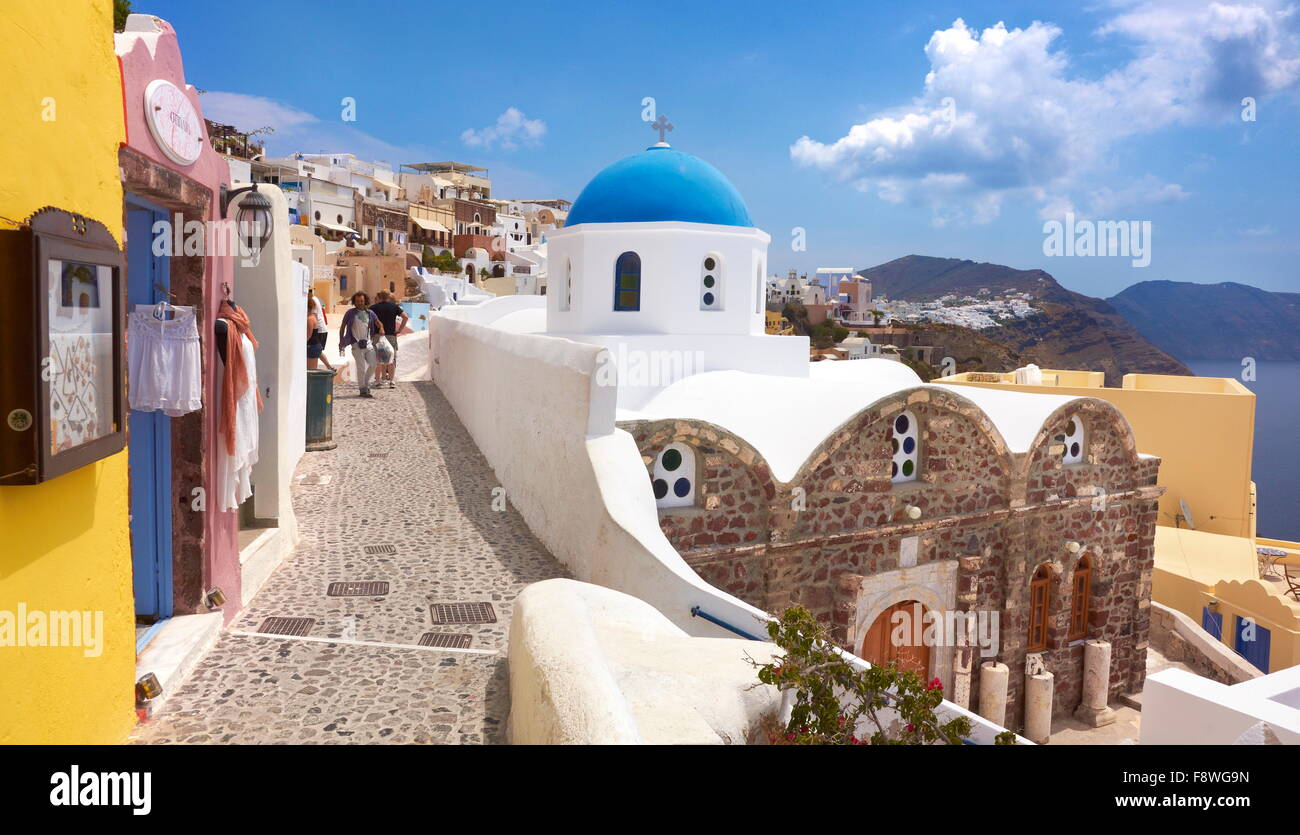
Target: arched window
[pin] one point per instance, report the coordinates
(566, 297)
(674, 476)
(1039, 594)
(627, 282)
(905, 444)
(1081, 599)
(711, 282)
(1074, 443)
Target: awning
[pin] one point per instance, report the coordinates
(388, 185)
(337, 227)
(429, 225)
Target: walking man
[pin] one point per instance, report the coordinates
(359, 329)
(389, 312)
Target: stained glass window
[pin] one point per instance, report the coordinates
(627, 282)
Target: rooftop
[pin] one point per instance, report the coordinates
(432, 167)
(785, 418)
(1061, 378)
(660, 184)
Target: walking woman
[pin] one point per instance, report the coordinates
(316, 341)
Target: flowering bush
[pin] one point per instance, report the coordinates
(835, 702)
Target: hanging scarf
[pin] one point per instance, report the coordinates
(235, 382)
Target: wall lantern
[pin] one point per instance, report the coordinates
(254, 215)
(62, 337)
(215, 599)
(913, 512)
(148, 687)
(1073, 547)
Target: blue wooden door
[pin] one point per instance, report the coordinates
(1253, 643)
(149, 447)
(1212, 622)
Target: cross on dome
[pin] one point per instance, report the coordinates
(662, 125)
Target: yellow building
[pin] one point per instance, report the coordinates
(1207, 567)
(67, 540)
(778, 325)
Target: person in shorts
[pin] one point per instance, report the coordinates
(315, 346)
(393, 319)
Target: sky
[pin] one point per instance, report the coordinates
(862, 131)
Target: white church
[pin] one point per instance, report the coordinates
(660, 262)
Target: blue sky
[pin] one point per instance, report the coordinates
(968, 137)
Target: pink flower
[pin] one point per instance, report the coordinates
(776, 672)
(934, 684)
(853, 740)
(789, 737)
(910, 727)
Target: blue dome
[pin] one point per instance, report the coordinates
(660, 184)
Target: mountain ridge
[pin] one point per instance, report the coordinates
(1227, 320)
(1072, 331)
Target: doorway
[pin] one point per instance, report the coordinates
(149, 442)
(895, 635)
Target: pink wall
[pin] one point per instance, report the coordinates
(145, 56)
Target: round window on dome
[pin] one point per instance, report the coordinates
(674, 476)
(711, 282)
(1073, 440)
(905, 448)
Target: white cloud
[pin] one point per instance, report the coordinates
(297, 130)
(511, 130)
(1002, 117)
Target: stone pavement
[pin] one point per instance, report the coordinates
(407, 475)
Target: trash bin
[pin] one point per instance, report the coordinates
(320, 410)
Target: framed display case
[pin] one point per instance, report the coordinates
(62, 342)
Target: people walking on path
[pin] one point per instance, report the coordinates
(389, 312)
(359, 329)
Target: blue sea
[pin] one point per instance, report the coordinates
(1276, 464)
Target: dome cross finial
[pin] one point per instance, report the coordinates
(662, 125)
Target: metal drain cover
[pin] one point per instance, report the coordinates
(444, 639)
(379, 455)
(381, 549)
(287, 626)
(463, 613)
(357, 589)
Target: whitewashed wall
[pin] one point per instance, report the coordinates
(273, 293)
(672, 256)
(1182, 708)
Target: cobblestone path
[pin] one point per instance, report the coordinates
(407, 475)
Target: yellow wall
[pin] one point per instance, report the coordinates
(67, 542)
(1203, 429)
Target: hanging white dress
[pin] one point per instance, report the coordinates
(234, 472)
(164, 362)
